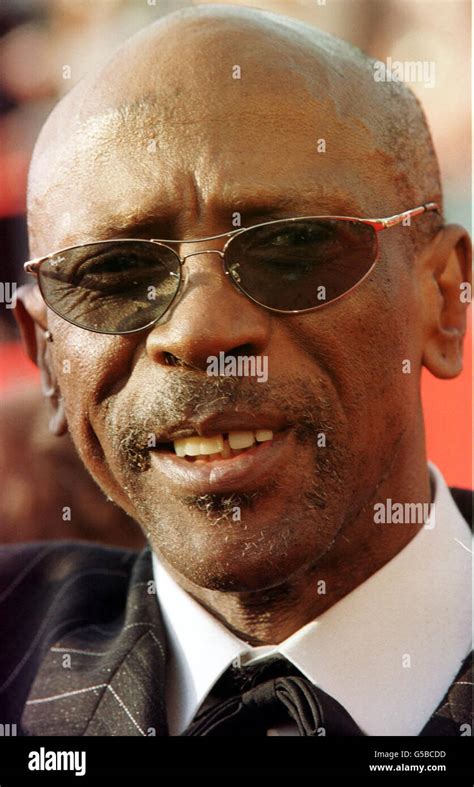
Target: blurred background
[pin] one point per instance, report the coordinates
(46, 46)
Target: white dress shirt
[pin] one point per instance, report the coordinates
(388, 651)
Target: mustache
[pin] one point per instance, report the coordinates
(181, 396)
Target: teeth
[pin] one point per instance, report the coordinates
(219, 444)
(212, 445)
(241, 439)
(261, 435)
(195, 446)
(179, 447)
(188, 446)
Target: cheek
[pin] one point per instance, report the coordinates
(369, 345)
(87, 367)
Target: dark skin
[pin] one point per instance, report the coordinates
(226, 146)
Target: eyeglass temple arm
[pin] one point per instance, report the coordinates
(398, 218)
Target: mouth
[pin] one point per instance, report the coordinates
(224, 462)
(217, 447)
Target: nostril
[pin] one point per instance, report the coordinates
(173, 360)
(170, 359)
(242, 349)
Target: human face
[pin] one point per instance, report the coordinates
(182, 166)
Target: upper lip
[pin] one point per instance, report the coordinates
(221, 423)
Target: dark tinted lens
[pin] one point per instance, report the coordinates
(111, 286)
(301, 264)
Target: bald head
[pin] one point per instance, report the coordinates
(171, 92)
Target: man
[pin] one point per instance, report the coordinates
(307, 571)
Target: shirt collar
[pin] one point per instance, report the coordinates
(388, 651)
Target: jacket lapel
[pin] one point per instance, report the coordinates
(107, 679)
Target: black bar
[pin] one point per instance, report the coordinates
(131, 757)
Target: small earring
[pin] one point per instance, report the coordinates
(48, 336)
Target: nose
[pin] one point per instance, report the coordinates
(210, 316)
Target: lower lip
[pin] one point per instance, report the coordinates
(244, 472)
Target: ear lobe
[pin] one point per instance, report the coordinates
(30, 315)
(57, 422)
(449, 268)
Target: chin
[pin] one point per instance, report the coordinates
(262, 550)
(233, 569)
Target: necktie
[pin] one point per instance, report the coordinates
(263, 697)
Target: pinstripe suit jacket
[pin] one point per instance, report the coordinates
(84, 648)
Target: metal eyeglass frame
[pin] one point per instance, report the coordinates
(32, 266)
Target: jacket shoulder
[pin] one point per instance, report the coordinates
(46, 590)
(45, 560)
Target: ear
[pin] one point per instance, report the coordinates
(31, 317)
(446, 296)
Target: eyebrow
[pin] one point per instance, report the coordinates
(285, 207)
(132, 225)
(159, 222)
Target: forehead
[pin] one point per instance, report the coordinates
(268, 145)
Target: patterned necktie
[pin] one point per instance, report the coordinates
(269, 694)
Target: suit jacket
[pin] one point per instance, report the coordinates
(84, 648)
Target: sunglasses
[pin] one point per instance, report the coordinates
(288, 266)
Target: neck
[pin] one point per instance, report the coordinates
(269, 616)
